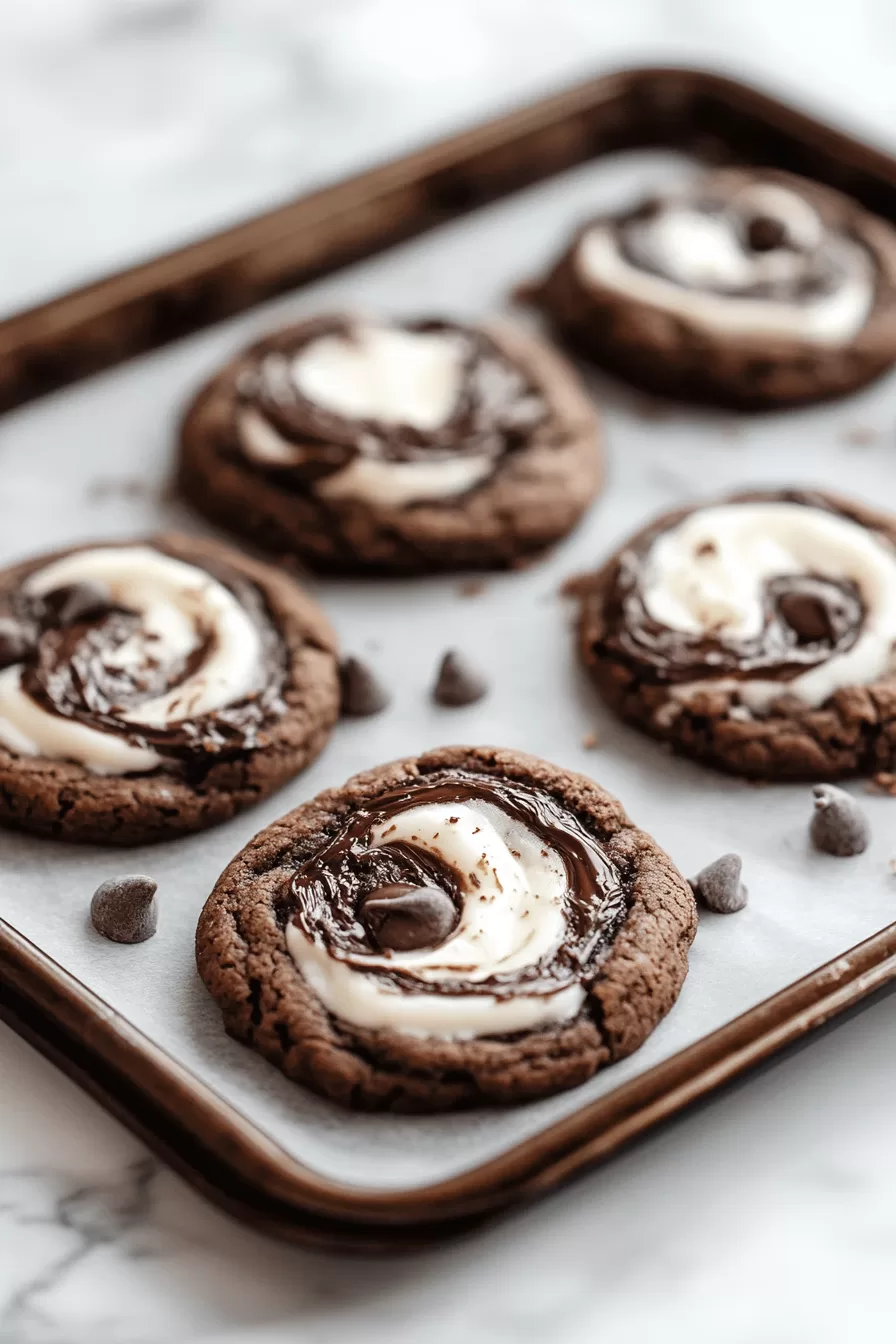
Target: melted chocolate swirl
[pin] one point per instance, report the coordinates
(807, 619)
(495, 412)
(330, 892)
(778, 247)
(70, 648)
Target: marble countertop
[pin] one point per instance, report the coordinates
(127, 126)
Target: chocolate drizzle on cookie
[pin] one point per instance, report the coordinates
(87, 658)
(495, 411)
(756, 242)
(807, 619)
(340, 896)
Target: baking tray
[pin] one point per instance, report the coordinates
(94, 460)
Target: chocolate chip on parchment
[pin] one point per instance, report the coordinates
(124, 909)
(765, 233)
(15, 641)
(405, 918)
(718, 885)
(838, 826)
(76, 602)
(363, 693)
(458, 682)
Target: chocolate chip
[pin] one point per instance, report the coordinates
(807, 616)
(648, 209)
(363, 693)
(718, 885)
(124, 909)
(765, 233)
(76, 602)
(458, 682)
(15, 642)
(404, 918)
(838, 826)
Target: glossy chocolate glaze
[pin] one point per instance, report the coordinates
(68, 670)
(328, 890)
(496, 411)
(807, 620)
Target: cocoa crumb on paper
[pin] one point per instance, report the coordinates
(860, 436)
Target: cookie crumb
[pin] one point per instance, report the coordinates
(718, 885)
(124, 487)
(293, 564)
(458, 681)
(527, 291)
(882, 782)
(123, 909)
(838, 826)
(891, 864)
(472, 588)
(577, 586)
(363, 694)
(859, 436)
(521, 562)
(653, 411)
(590, 741)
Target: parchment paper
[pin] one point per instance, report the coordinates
(92, 462)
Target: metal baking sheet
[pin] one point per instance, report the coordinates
(94, 461)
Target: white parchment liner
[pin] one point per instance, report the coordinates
(90, 463)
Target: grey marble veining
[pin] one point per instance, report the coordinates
(127, 126)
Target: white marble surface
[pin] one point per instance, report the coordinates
(126, 126)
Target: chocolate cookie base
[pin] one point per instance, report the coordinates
(852, 733)
(536, 495)
(667, 354)
(243, 958)
(68, 802)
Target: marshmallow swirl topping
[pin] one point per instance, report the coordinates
(125, 658)
(505, 905)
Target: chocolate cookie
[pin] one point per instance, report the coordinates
(404, 448)
(751, 288)
(152, 688)
(755, 634)
(471, 926)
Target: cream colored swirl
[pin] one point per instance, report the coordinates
(181, 608)
(383, 374)
(707, 575)
(697, 264)
(512, 887)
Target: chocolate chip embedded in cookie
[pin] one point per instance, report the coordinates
(755, 634)
(470, 926)
(152, 688)
(408, 447)
(749, 288)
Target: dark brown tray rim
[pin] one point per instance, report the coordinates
(100, 324)
(210, 1142)
(249, 1174)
